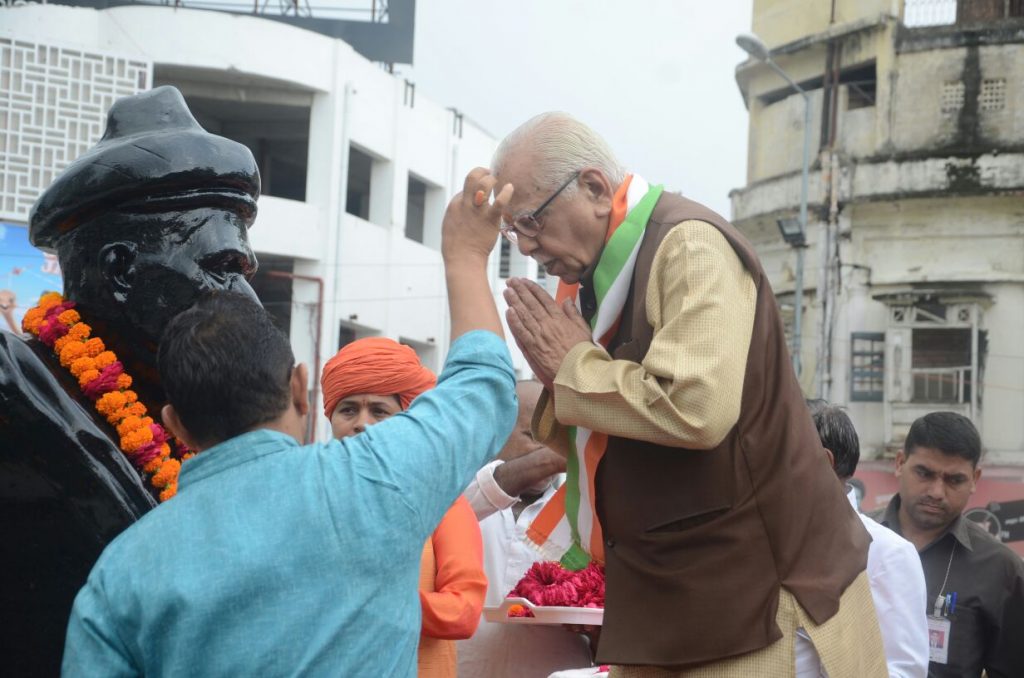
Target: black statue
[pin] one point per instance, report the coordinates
(150, 218)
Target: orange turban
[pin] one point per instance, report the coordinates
(374, 365)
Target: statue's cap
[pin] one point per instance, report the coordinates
(153, 151)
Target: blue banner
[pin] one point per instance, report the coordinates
(25, 273)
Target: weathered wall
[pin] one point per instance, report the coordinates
(778, 22)
(961, 99)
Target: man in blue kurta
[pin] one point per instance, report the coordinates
(280, 559)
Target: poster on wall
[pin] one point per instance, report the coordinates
(997, 503)
(25, 273)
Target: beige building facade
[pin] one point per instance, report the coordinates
(914, 275)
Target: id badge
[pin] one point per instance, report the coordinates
(938, 639)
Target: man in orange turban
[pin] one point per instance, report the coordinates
(368, 381)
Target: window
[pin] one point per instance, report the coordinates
(426, 350)
(357, 197)
(275, 293)
(504, 258)
(277, 135)
(787, 313)
(861, 84)
(861, 80)
(424, 211)
(941, 365)
(415, 210)
(867, 367)
(346, 335)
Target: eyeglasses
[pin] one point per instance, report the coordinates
(529, 224)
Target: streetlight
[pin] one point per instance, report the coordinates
(793, 234)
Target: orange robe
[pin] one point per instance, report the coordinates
(452, 589)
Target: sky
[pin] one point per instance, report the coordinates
(654, 77)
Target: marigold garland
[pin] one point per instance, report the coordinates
(102, 378)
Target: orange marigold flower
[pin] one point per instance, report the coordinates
(32, 320)
(89, 375)
(135, 439)
(49, 300)
(154, 464)
(71, 352)
(187, 455)
(105, 358)
(135, 422)
(519, 611)
(109, 403)
(168, 473)
(123, 380)
(94, 347)
(81, 365)
(130, 423)
(131, 396)
(169, 492)
(129, 410)
(69, 317)
(81, 331)
(116, 416)
(59, 345)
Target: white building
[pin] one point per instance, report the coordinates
(357, 166)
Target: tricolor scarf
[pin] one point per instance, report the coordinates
(567, 528)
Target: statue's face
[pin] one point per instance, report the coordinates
(182, 255)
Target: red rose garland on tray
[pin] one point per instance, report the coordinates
(102, 378)
(549, 584)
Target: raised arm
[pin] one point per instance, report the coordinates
(468, 234)
(430, 452)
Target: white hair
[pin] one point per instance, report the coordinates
(562, 145)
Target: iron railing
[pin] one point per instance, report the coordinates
(942, 385)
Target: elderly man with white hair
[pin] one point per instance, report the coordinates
(694, 471)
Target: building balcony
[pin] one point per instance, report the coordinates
(886, 179)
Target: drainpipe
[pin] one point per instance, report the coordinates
(316, 341)
(346, 143)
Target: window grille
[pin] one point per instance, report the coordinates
(952, 96)
(867, 366)
(53, 107)
(993, 95)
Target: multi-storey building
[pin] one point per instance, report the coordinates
(914, 285)
(357, 166)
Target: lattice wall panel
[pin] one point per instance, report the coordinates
(53, 107)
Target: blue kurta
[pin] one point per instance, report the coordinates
(277, 559)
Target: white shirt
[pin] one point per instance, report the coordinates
(898, 589)
(512, 650)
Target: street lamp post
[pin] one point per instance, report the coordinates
(755, 47)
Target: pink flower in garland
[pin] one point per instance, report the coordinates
(105, 383)
(590, 585)
(550, 584)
